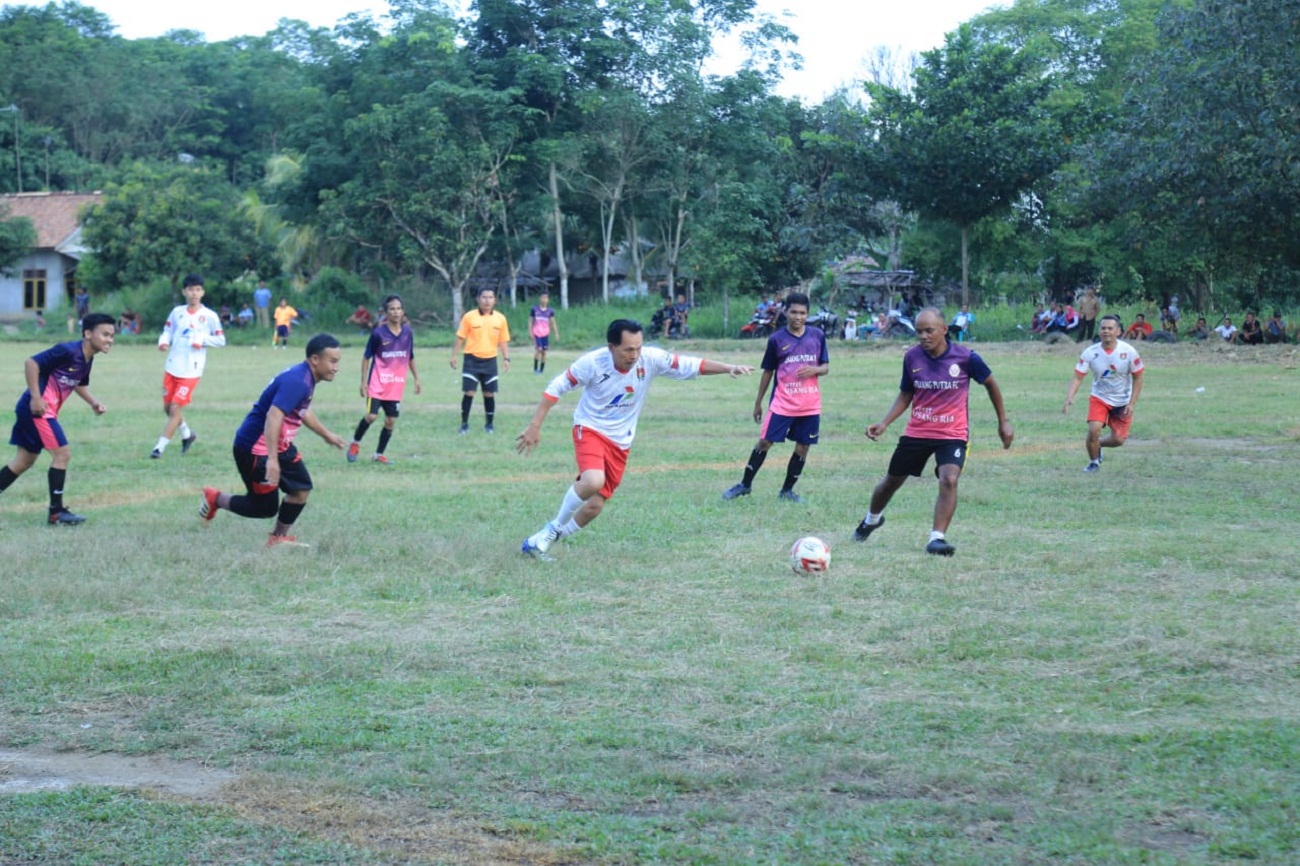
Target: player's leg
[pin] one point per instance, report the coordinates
(23, 460)
(793, 470)
(391, 412)
(354, 447)
(804, 430)
(296, 483)
(909, 458)
(1119, 425)
(490, 383)
(57, 476)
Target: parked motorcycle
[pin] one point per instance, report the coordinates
(826, 319)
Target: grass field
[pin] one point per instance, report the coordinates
(1108, 671)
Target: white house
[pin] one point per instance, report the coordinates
(46, 276)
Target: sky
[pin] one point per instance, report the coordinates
(833, 41)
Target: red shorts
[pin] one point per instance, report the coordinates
(593, 451)
(1110, 416)
(178, 391)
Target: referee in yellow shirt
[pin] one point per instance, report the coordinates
(482, 333)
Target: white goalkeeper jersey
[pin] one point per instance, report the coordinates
(185, 329)
(611, 401)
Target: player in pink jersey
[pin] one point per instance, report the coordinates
(936, 385)
(52, 377)
(797, 357)
(615, 382)
(389, 356)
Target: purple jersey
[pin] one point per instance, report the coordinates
(392, 354)
(786, 353)
(940, 388)
(291, 393)
(63, 368)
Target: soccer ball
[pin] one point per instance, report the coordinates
(810, 555)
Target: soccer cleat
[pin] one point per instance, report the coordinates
(489, 429)
(208, 506)
(789, 496)
(155, 454)
(735, 491)
(380, 458)
(353, 450)
(464, 428)
(537, 544)
(274, 540)
(187, 442)
(940, 547)
(64, 517)
(1093, 466)
(864, 530)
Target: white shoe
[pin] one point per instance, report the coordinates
(540, 542)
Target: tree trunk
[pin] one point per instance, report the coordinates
(965, 264)
(558, 218)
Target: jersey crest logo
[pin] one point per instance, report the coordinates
(954, 370)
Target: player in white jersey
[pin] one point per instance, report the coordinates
(190, 330)
(1116, 369)
(615, 381)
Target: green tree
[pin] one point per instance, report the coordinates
(167, 221)
(977, 132)
(17, 237)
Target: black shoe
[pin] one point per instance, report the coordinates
(155, 454)
(864, 530)
(940, 547)
(64, 517)
(789, 496)
(735, 491)
(187, 442)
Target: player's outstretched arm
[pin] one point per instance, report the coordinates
(532, 435)
(714, 368)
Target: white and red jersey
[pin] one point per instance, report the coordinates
(611, 401)
(1112, 372)
(182, 332)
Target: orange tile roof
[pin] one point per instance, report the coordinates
(54, 214)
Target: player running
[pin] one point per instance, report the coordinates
(389, 355)
(797, 356)
(615, 382)
(265, 454)
(190, 330)
(52, 376)
(1116, 385)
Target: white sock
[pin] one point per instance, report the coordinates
(569, 507)
(873, 519)
(569, 528)
(162, 444)
(185, 431)
(936, 535)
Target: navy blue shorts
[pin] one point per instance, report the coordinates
(802, 429)
(36, 434)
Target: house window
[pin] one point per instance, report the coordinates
(33, 290)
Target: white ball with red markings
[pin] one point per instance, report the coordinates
(810, 555)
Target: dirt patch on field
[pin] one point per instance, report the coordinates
(26, 770)
(404, 829)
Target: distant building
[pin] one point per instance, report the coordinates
(46, 276)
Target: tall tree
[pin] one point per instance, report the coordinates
(977, 132)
